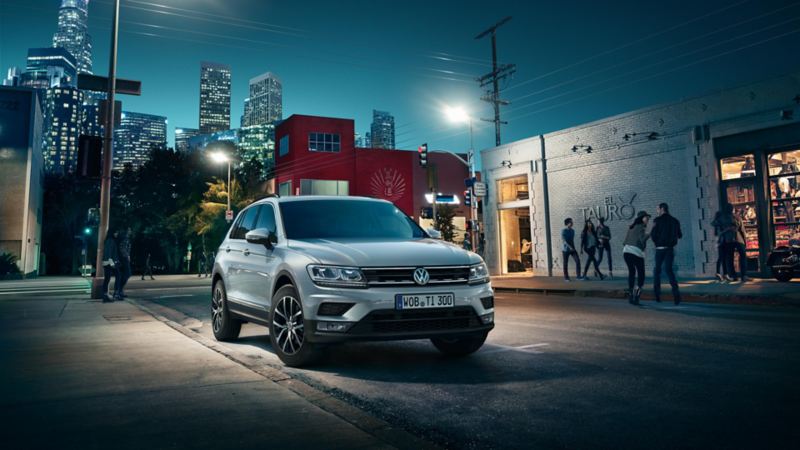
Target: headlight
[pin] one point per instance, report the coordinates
(478, 273)
(337, 276)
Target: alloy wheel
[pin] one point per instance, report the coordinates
(287, 324)
(217, 307)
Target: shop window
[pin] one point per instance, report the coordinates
(324, 187)
(285, 189)
(513, 189)
(738, 175)
(738, 167)
(515, 240)
(784, 191)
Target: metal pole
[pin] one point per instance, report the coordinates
(496, 90)
(229, 188)
(473, 207)
(108, 157)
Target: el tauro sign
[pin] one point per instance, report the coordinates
(611, 209)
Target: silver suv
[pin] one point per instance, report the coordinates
(317, 270)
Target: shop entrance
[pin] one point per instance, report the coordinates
(764, 189)
(516, 245)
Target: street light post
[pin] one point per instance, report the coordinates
(108, 158)
(459, 115)
(221, 157)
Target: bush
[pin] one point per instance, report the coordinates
(8, 264)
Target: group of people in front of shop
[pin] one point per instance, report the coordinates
(665, 234)
(731, 240)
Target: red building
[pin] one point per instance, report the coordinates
(317, 155)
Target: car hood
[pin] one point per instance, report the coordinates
(384, 253)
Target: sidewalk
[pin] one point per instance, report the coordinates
(46, 285)
(756, 291)
(82, 374)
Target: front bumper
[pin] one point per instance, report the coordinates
(373, 315)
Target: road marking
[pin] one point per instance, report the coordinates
(530, 348)
(48, 291)
(162, 288)
(176, 295)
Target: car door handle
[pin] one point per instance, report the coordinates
(246, 252)
(228, 249)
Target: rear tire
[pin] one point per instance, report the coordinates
(460, 346)
(225, 327)
(287, 329)
(782, 275)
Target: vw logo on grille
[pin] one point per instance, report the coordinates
(421, 276)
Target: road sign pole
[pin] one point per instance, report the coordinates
(108, 157)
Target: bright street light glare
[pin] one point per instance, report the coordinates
(219, 157)
(456, 114)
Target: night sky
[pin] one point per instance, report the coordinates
(577, 61)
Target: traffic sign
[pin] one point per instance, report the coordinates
(229, 215)
(99, 83)
(479, 189)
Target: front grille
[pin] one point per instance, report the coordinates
(404, 276)
(389, 321)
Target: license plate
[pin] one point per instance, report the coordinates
(424, 301)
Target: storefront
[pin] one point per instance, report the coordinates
(515, 225)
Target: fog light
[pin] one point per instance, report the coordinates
(335, 327)
(487, 318)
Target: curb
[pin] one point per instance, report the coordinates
(381, 430)
(760, 300)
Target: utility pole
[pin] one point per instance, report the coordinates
(498, 73)
(108, 157)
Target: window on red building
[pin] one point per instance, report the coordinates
(324, 142)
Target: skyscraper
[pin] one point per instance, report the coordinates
(62, 119)
(182, 136)
(215, 97)
(258, 142)
(48, 67)
(382, 130)
(73, 33)
(265, 104)
(12, 76)
(136, 136)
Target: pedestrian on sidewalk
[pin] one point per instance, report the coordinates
(665, 235)
(148, 268)
(210, 263)
(633, 253)
(568, 249)
(738, 247)
(604, 236)
(202, 264)
(589, 244)
(722, 249)
(110, 263)
(124, 269)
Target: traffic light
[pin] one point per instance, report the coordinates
(87, 231)
(423, 155)
(468, 197)
(90, 156)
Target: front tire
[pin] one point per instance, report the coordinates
(460, 346)
(287, 331)
(782, 275)
(225, 327)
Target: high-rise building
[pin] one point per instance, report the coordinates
(73, 32)
(245, 114)
(368, 140)
(63, 117)
(182, 136)
(48, 67)
(92, 123)
(136, 136)
(258, 142)
(382, 130)
(12, 77)
(215, 97)
(265, 104)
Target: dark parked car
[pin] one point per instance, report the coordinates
(785, 262)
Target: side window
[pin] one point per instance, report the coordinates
(266, 218)
(247, 224)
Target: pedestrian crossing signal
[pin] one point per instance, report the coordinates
(423, 155)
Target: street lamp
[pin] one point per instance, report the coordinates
(219, 158)
(458, 114)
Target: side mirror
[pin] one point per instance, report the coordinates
(434, 233)
(262, 236)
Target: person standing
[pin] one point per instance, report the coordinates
(124, 269)
(633, 253)
(202, 264)
(210, 263)
(148, 268)
(665, 235)
(589, 244)
(110, 263)
(739, 247)
(722, 249)
(604, 236)
(568, 249)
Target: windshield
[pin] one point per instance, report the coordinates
(325, 219)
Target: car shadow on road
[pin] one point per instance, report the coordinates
(418, 361)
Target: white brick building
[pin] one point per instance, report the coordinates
(740, 145)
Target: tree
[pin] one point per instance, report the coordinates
(444, 221)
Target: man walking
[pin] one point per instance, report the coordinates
(202, 265)
(604, 245)
(110, 263)
(148, 268)
(124, 269)
(568, 249)
(665, 235)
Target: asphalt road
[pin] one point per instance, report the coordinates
(566, 372)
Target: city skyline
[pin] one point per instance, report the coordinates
(575, 78)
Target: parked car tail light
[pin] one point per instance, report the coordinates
(337, 276)
(478, 273)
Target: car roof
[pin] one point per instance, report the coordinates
(306, 198)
